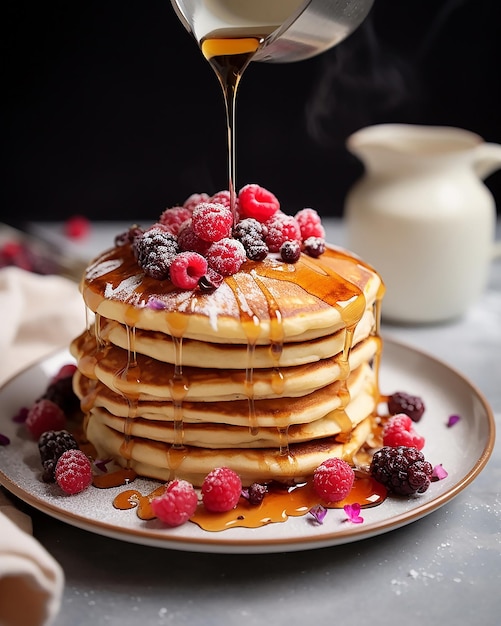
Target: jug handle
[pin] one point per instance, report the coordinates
(487, 159)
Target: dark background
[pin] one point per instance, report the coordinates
(109, 109)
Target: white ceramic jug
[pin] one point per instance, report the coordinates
(423, 217)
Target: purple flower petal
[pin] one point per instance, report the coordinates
(318, 512)
(439, 473)
(353, 513)
(101, 464)
(453, 419)
(156, 304)
(4, 440)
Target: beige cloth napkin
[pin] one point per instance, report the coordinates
(38, 315)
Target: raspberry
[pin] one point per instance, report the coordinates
(251, 234)
(45, 415)
(60, 392)
(290, 251)
(281, 228)
(77, 227)
(333, 479)
(212, 221)
(310, 224)
(221, 490)
(258, 202)
(195, 198)
(226, 256)
(186, 269)
(73, 471)
(212, 280)
(128, 236)
(177, 504)
(401, 402)
(65, 371)
(154, 251)
(314, 246)
(52, 444)
(174, 218)
(187, 240)
(223, 197)
(398, 431)
(401, 470)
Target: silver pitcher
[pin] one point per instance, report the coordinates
(293, 30)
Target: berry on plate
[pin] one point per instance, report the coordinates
(401, 470)
(333, 479)
(310, 224)
(401, 402)
(221, 490)
(226, 256)
(44, 415)
(177, 504)
(73, 472)
(186, 269)
(398, 431)
(257, 202)
(52, 445)
(212, 221)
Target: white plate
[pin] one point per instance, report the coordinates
(463, 450)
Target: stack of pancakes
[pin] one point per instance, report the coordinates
(270, 374)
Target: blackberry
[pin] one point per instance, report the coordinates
(314, 246)
(401, 470)
(61, 393)
(52, 444)
(251, 234)
(401, 402)
(155, 250)
(290, 251)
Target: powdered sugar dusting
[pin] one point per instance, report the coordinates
(125, 289)
(101, 268)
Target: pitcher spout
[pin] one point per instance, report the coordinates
(487, 159)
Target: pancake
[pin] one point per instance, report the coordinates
(270, 371)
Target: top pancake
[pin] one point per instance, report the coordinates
(266, 302)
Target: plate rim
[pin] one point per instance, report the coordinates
(223, 542)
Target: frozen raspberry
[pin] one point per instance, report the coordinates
(281, 228)
(401, 402)
(154, 251)
(310, 224)
(60, 391)
(333, 480)
(177, 504)
(52, 444)
(187, 240)
(45, 415)
(223, 197)
(128, 236)
(401, 470)
(290, 251)
(211, 221)
(174, 218)
(314, 246)
(221, 490)
(186, 269)
(73, 471)
(258, 202)
(195, 198)
(226, 256)
(77, 227)
(210, 281)
(398, 431)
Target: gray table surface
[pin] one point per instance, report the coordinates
(442, 569)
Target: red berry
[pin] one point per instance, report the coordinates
(257, 202)
(281, 228)
(401, 402)
(226, 256)
(310, 224)
(195, 198)
(186, 269)
(174, 218)
(177, 504)
(45, 415)
(333, 480)
(64, 372)
(212, 221)
(221, 490)
(187, 240)
(77, 227)
(398, 431)
(73, 471)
